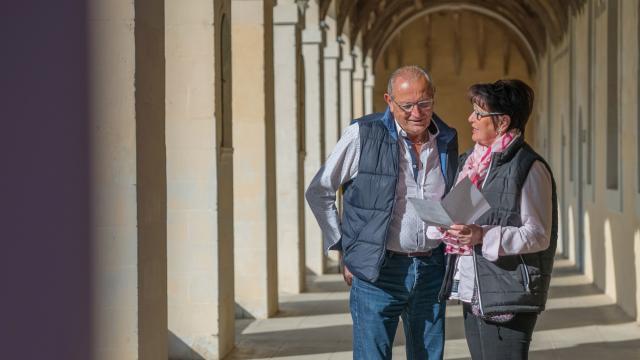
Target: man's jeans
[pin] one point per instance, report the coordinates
(407, 287)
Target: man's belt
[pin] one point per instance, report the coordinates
(410, 254)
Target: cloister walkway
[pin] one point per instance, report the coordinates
(580, 323)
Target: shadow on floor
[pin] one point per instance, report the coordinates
(299, 342)
(565, 270)
(593, 351)
(178, 349)
(336, 284)
(324, 340)
(575, 317)
(314, 307)
(319, 340)
(565, 291)
(623, 350)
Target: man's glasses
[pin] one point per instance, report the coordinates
(422, 105)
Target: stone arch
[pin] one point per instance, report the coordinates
(524, 43)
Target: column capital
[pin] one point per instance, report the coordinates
(303, 5)
(286, 14)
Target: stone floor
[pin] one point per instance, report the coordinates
(580, 323)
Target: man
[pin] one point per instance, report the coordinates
(392, 267)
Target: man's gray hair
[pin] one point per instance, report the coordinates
(409, 72)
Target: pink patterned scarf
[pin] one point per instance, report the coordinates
(476, 168)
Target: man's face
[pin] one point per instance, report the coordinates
(415, 119)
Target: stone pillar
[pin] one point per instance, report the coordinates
(331, 88)
(127, 117)
(358, 83)
(289, 136)
(199, 220)
(312, 51)
(254, 182)
(369, 84)
(332, 54)
(346, 85)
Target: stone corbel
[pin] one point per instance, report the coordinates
(302, 6)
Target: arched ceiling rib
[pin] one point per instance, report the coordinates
(531, 20)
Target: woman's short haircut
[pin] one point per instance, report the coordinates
(511, 96)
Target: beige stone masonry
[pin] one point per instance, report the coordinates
(358, 83)
(128, 179)
(331, 87)
(289, 147)
(200, 266)
(312, 51)
(369, 84)
(254, 187)
(347, 65)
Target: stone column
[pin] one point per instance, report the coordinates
(332, 54)
(127, 118)
(254, 182)
(369, 84)
(289, 136)
(331, 88)
(312, 51)
(358, 83)
(200, 225)
(346, 85)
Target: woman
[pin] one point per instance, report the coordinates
(500, 266)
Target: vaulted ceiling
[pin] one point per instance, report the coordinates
(377, 20)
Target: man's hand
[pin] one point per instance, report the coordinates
(466, 234)
(346, 274)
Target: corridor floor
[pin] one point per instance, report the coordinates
(580, 323)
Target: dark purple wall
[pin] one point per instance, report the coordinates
(44, 181)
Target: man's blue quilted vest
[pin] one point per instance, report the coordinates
(368, 199)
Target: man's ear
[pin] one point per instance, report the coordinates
(387, 99)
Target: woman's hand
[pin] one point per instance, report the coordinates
(466, 234)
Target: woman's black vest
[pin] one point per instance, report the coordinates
(513, 283)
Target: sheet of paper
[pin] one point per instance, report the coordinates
(431, 212)
(463, 205)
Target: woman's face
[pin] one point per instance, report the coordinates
(483, 131)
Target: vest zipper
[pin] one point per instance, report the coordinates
(475, 268)
(393, 206)
(525, 275)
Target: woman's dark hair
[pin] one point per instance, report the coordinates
(511, 96)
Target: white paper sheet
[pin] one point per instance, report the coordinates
(463, 205)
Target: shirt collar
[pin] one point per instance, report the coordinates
(432, 129)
